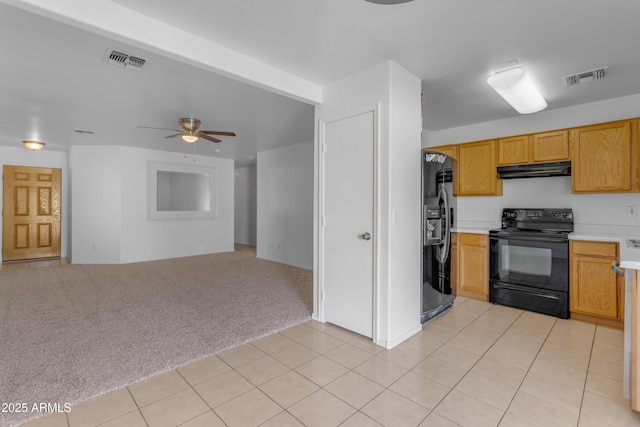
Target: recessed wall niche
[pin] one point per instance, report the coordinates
(178, 191)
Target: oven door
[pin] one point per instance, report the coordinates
(532, 260)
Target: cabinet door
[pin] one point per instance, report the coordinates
(513, 151)
(594, 287)
(601, 157)
(477, 175)
(449, 150)
(454, 263)
(550, 146)
(473, 266)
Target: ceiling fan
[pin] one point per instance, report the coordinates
(191, 132)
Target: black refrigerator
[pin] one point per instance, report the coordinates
(438, 216)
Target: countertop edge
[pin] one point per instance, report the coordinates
(629, 257)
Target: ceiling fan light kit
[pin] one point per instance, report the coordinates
(515, 87)
(34, 145)
(189, 137)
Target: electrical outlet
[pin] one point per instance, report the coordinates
(632, 210)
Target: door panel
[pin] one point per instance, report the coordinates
(31, 213)
(348, 214)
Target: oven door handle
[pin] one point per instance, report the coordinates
(511, 288)
(527, 238)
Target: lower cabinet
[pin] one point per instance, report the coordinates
(596, 292)
(472, 272)
(454, 263)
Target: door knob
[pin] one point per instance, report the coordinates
(365, 236)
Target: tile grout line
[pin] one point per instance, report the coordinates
(584, 387)
(191, 386)
(527, 373)
(476, 362)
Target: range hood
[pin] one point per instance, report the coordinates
(535, 170)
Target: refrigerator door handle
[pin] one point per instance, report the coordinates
(443, 253)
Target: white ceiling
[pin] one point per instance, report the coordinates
(55, 79)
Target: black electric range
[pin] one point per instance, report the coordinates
(529, 260)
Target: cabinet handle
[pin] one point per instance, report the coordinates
(616, 268)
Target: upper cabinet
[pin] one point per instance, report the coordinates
(536, 148)
(477, 175)
(514, 150)
(550, 146)
(449, 150)
(605, 157)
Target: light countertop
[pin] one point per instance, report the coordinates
(475, 227)
(629, 256)
(472, 230)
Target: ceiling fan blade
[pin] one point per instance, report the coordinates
(209, 138)
(149, 127)
(214, 132)
(174, 135)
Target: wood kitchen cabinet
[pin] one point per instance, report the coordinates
(454, 263)
(596, 292)
(473, 265)
(536, 148)
(605, 157)
(513, 150)
(449, 150)
(477, 175)
(549, 146)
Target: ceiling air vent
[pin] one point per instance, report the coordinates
(85, 131)
(586, 76)
(124, 60)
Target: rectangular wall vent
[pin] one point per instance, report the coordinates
(585, 76)
(124, 60)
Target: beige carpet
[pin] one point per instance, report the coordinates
(72, 332)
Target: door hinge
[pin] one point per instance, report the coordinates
(321, 295)
(323, 221)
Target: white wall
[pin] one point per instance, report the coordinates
(404, 205)
(285, 205)
(595, 112)
(110, 222)
(45, 158)
(589, 209)
(96, 204)
(397, 251)
(245, 205)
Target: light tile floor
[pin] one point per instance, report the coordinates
(475, 365)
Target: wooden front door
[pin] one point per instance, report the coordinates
(31, 213)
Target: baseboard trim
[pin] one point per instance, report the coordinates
(392, 343)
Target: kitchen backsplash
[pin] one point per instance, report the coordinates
(552, 192)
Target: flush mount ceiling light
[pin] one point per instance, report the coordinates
(33, 145)
(518, 90)
(388, 1)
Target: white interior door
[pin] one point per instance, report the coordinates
(348, 234)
